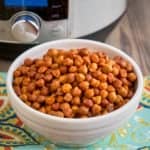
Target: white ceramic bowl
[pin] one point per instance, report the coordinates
(70, 132)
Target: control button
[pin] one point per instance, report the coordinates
(25, 27)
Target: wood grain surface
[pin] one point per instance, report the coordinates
(132, 34)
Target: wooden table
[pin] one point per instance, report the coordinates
(131, 34)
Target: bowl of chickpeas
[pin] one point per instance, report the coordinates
(74, 91)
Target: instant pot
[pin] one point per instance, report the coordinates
(25, 23)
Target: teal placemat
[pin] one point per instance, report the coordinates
(134, 135)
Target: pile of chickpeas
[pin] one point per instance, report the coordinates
(78, 83)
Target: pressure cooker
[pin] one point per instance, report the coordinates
(25, 23)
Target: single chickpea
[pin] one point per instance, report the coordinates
(88, 77)
(64, 106)
(48, 109)
(42, 69)
(129, 67)
(28, 62)
(39, 76)
(76, 91)
(42, 109)
(68, 62)
(63, 69)
(54, 85)
(84, 85)
(96, 74)
(40, 83)
(63, 79)
(97, 99)
(67, 97)
(28, 103)
(89, 93)
(31, 74)
(104, 93)
(130, 93)
(78, 60)
(119, 99)
(76, 100)
(26, 81)
(75, 109)
(112, 96)
(36, 105)
(55, 106)
(93, 67)
(80, 77)
(18, 80)
(94, 57)
(110, 78)
(60, 114)
(125, 81)
(84, 51)
(117, 83)
(110, 88)
(71, 77)
(17, 73)
(83, 69)
(39, 62)
(115, 71)
(54, 66)
(123, 91)
(56, 73)
(60, 59)
(31, 87)
(68, 113)
(86, 60)
(24, 89)
(45, 91)
(24, 97)
(88, 102)
(50, 100)
(132, 77)
(83, 110)
(123, 63)
(96, 91)
(103, 85)
(48, 62)
(41, 99)
(102, 61)
(94, 83)
(96, 109)
(102, 77)
(123, 73)
(73, 69)
(52, 52)
(107, 68)
(59, 99)
(66, 88)
(104, 102)
(110, 107)
(48, 77)
(32, 97)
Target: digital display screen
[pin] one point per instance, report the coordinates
(26, 3)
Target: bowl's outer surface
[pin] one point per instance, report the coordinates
(73, 131)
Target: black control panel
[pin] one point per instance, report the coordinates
(48, 10)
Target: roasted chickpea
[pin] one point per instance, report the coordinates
(78, 60)
(76, 91)
(84, 51)
(17, 73)
(89, 93)
(76, 100)
(67, 97)
(55, 84)
(97, 99)
(103, 93)
(110, 78)
(59, 99)
(132, 77)
(75, 109)
(55, 106)
(107, 68)
(83, 69)
(112, 96)
(52, 52)
(88, 102)
(66, 88)
(123, 73)
(31, 87)
(96, 109)
(80, 77)
(102, 77)
(48, 77)
(123, 91)
(71, 77)
(36, 105)
(68, 62)
(94, 58)
(83, 110)
(63, 69)
(88, 77)
(110, 88)
(50, 100)
(40, 83)
(103, 85)
(117, 83)
(72, 69)
(42, 69)
(115, 71)
(40, 99)
(93, 67)
(86, 60)
(94, 83)
(84, 85)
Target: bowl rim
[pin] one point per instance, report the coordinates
(137, 93)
